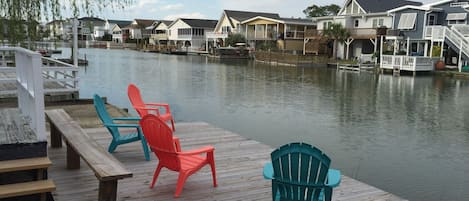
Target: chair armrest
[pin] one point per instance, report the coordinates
(127, 118)
(165, 105)
(333, 178)
(268, 171)
(123, 125)
(157, 110)
(206, 149)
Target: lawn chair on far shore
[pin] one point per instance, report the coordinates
(300, 171)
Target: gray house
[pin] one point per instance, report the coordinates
(438, 29)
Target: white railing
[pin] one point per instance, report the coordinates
(458, 39)
(30, 88)
(407, 63)
(434, 33)
(62, 77)
(217, 35)
(63, 74)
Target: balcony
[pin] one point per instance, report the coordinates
(160, 36)
(261, 35)
(217, 35)
(295, 35)
(363, 33)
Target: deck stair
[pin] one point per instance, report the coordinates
(40, 186)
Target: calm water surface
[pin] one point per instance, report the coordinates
(403, 134)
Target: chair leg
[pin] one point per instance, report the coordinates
(146, 152)
(211, 161)
(180, 185)
(155, 175)
(112, 146)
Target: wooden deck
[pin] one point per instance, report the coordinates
(239, 163)
(8, 88)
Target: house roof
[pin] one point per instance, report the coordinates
(374, 6)
(244, 15)
(200, 23)
(166, 22)
(120, 23)
(142, 23)
(299, 21)
(91, 19)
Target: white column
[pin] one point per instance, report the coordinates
(408, 46)
(441, 49)
(381, 52)
(459, 59)
(425, 49)
(431, 49)
(75, 42)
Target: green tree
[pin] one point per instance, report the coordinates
(234, 38)
(23, 16)
(319, 11)
(338, 33)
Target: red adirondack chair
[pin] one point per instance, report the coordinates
(160, 139)
(148, 108)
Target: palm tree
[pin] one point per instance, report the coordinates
(338, 33)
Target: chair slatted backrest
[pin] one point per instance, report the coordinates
(160, 139)
(300, 172)
(104, 115)
(136, 99)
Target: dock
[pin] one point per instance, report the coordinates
(239, 163)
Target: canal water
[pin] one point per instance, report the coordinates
(406, 135)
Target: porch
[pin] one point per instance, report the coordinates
(407, 63)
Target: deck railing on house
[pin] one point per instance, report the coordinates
(434, 33)
(63, 75)
(29, 88)
(407, 63)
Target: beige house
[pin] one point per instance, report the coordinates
(283, 33)
(230, 22)
(159, 33)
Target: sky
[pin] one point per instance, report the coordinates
(209, 9)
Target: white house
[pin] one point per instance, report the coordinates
(190, 33)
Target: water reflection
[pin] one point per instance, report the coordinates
(403, 134)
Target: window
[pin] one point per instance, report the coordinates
(456, 18)
(326, 25)
(431, 19)
(226, 29)
(407, 21)
(378, 23)
(356, 23)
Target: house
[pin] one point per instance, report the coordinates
(438, 29)
(137, 29)
(117, 32)
(190, 33)
(106, 29)
(86, 26)
(272, 32)
(365, 20)
(159, 33)
(57, 29)
(230, 22)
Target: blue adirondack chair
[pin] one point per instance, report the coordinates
(300, 171)
(113, 128)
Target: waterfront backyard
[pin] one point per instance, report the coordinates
(406, 135)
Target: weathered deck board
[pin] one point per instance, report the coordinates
(7, 87)
(239, 163)
(14, 128)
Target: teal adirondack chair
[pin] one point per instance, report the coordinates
(113, 128)
(300, 171)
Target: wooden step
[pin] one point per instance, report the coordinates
(26, 188)
(24, 164)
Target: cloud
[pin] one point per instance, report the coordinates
(195, 15)
(172, 7)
